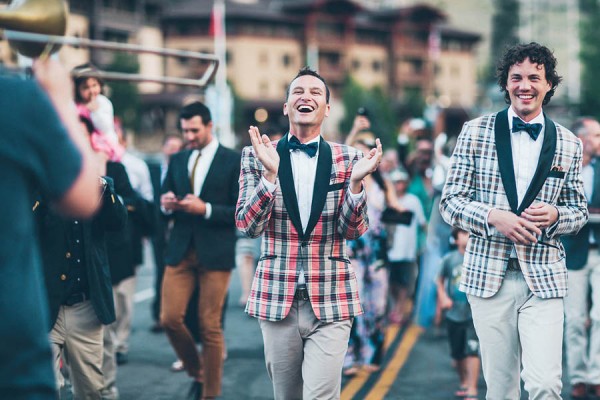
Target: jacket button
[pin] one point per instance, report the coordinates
(63, 277)
(304, 244)
(68, 255)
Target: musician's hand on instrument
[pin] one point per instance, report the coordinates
(54, 78)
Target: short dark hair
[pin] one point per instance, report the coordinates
(537, 54)
(455, 231)
(308, 71)
(196, 108)
(78, 80)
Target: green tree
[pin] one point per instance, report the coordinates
(125, 95)
(505, 25)
(379, 107)
(590, 57)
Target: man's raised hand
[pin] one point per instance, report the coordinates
(265, 152)
(365, 166)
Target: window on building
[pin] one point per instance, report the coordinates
(287, 60)
(355, 65)
(377, 66)
(263, 89)
(228, 57)
(263, 58)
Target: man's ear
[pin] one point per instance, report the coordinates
(327, 109)
(285, 110)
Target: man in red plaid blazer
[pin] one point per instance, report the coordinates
(305, 196)
(515, 185)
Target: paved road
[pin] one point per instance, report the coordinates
(417, 364)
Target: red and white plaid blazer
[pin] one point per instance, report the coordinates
(330, 279)
(481, 177)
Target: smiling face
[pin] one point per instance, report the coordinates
(527, 86)
(306, 105)
(89, 89)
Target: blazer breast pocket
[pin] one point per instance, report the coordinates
(556, 174)
(335, 186)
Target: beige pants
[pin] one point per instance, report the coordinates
(518, 329)
(583, 349)
(123, 294)
(304, 356)
(77, 333)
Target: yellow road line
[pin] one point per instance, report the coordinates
(352, 387)
(390, 334)
(358, 381)
(383, 385)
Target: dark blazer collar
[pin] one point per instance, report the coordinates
(505, 161)
(288, 190)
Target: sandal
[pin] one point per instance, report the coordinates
(461, 392)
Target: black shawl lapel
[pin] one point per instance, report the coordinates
(505, 159)
(321, 185)
(544, 164)
(213, 170)
(286, 181)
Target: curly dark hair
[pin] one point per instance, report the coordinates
(537, 54)
(308, 71)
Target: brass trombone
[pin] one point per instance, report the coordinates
(37, 28)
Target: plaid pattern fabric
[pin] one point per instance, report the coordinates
(330, 279)
(474, 186)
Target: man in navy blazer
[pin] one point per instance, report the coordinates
(200, 190)
(583, 263)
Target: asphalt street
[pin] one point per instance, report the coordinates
(417, 364)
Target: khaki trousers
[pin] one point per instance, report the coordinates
(123, 294)
(77, 333)
(583, 349)
(304, 356)
(178, 286)
(518, 329)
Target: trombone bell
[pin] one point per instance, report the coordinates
(37, 27)
(47, 17)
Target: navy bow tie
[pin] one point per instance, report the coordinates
(310, 148)
(532, 129)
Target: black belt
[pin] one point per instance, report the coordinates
(301, 293)
(513, 265)
(76, 298)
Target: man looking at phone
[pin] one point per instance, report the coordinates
(200, 190)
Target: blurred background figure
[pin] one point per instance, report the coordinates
(582, 305)
(449, 124)
(464, 344)
(402, 254)
(77, 272)
(368, 257)
(172, 143)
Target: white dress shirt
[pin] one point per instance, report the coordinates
(139, 175)
(207, 155)
(525, 154)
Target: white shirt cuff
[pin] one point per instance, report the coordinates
(356, 197)
(270, 186)
(208, 212)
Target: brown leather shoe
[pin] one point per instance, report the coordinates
(579, 391)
